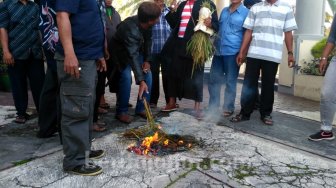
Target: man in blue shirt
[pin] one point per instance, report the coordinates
(224, 66)
(78, 56)
(22, 52)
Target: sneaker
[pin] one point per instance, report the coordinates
(96, 154)
(86, 170)
(322, 135)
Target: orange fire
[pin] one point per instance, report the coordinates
(166, 142)
(180, 142)
(147, 142)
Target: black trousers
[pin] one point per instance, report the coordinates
(33, 69)
(100, 91)
(250, 86)
(159, 61)
(49, 115)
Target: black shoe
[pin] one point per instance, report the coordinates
(86, 170)
(322, 135)
(96, 154)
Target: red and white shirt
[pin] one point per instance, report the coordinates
(185, 17)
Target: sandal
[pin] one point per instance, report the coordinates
(227, 113)
(20, 119)
(199, 115)
(267, 120)
(97, 128)
(239, 118)
(169, 108)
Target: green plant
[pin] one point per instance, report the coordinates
(317, 49)
(311, 68)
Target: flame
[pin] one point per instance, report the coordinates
(166, 142)
(159, 127)
(147, 142)
(189, 145)
(180, 142)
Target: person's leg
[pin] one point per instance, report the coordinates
(124, 91)
(249, 86)
(328, 98)
(47, 119)
(215, 81)
(327, 104)
(99, 93)
(140, 108)
(155, 70)
(18, 79)
(36, 77)
(77, 103)
(231, 74)
(164, 73)
(268, 72)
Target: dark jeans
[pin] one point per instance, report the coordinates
(49, 114)
(250, 86)
(33, 69)
(223, 68)
(159, 61)
(124, 91)
(100, 90)
(77, 103)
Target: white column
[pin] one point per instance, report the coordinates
(220, 4)
(310, 17)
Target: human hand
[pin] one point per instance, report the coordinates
(240, 59)
(207, 22)
(142, 88)
(71, 65)
(291, 61)
(101, 65)
(173, 5)
(145, 67)
(106, 53)
(8, 58)
(323, 65)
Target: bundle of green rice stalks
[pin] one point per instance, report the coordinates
(200, 46)
(201, 49)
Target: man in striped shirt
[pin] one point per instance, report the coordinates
(263, 44)
(22, 52)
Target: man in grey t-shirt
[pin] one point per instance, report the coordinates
(265, 26)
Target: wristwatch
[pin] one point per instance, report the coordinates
(290, 52)
(323, 58)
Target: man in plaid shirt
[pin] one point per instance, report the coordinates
(160, 33)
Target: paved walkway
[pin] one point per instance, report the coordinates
(245, 154)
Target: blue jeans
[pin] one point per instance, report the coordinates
(223, 68)
(125, 91)
(328, 97)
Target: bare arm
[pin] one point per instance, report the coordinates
(7, 56)
(65, 33)
(327, 50)
(289, 45)
(244, 47)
